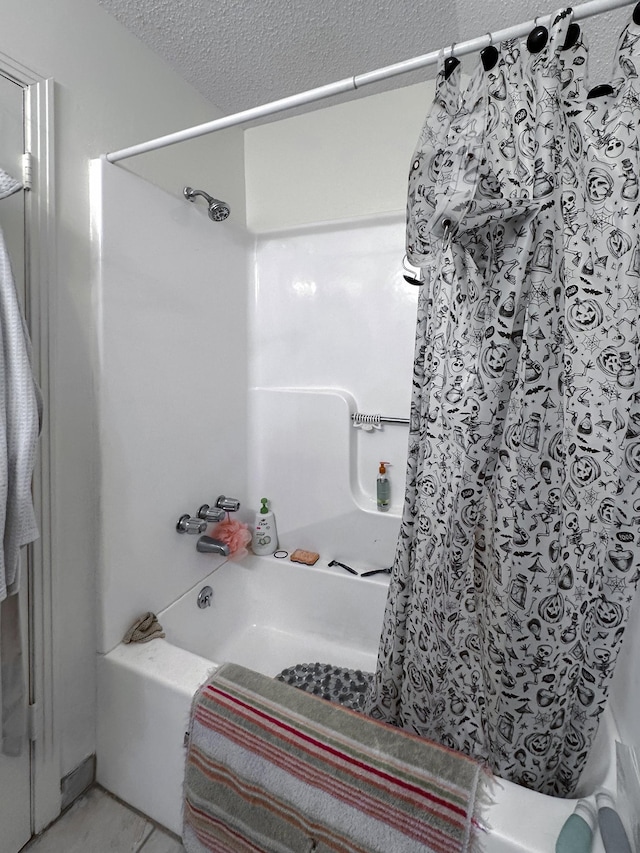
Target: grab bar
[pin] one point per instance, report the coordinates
(374, 421)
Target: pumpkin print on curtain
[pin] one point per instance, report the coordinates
(517, 558)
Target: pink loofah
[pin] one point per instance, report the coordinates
(234, 534)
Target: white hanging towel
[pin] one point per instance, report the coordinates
(20, 421)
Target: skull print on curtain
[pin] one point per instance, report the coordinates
(517, 557)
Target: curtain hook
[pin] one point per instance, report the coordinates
(451, 62)
(489, 55)
(573, 34)
(537, 38)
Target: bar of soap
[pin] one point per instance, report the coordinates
(306, 557)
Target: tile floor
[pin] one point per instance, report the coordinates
(97, 823)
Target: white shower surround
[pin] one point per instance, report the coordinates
(172, 316)
(170, 307)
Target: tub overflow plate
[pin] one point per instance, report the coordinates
(204, 597)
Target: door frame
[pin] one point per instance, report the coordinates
(40, 281)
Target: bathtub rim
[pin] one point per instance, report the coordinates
(605, 775)
(518, 821)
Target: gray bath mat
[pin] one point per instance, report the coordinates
(337, 684)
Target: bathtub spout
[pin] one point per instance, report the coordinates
(207, 545)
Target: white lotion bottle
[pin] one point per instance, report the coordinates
(264, 539)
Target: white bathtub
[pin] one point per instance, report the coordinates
(268, 614)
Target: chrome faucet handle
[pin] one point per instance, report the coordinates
(186, 524)
(211, 513)
(228, 504)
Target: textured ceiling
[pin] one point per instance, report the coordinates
(242, 53)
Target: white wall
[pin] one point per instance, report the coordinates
(110, 92)
(333, 323)
(326, 193)
(337, 163)
(172, 377)
(171, 300)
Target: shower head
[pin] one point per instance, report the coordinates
(218, 210)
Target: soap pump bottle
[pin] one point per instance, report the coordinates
(265, 536)
(576, 835)
(383, 488)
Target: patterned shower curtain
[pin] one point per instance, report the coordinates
(518, 552)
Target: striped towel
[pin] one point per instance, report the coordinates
(272, 768)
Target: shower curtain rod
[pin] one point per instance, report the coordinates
(349, 84)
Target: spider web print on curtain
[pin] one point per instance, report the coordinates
(517, 557)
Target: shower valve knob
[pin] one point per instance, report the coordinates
(211, 513)
(228, 504)
(186, 524)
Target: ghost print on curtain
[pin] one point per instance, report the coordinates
(517, 559)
